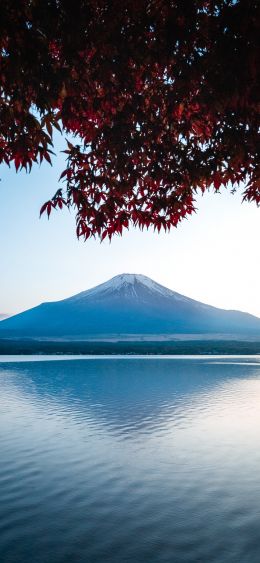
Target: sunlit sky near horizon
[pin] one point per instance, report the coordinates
(213, 257)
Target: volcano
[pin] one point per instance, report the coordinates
(127, 305)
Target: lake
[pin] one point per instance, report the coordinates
(130, 460)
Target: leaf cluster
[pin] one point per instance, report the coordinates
(162, 97)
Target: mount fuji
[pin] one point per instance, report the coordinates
(128, 305)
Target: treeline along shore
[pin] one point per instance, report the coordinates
(197, 347)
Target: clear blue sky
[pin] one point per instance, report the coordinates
(213, 257)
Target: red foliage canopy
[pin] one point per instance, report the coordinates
(161, 95)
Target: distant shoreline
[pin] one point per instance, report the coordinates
(187, 347)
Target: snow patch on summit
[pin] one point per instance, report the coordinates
(131, 285)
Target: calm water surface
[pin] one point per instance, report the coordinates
(130, 460)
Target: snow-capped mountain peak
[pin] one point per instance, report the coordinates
(129, 284)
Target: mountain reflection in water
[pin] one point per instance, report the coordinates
(130, 460)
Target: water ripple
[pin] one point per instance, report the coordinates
(130, 461)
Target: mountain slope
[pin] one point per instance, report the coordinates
(127, 304)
